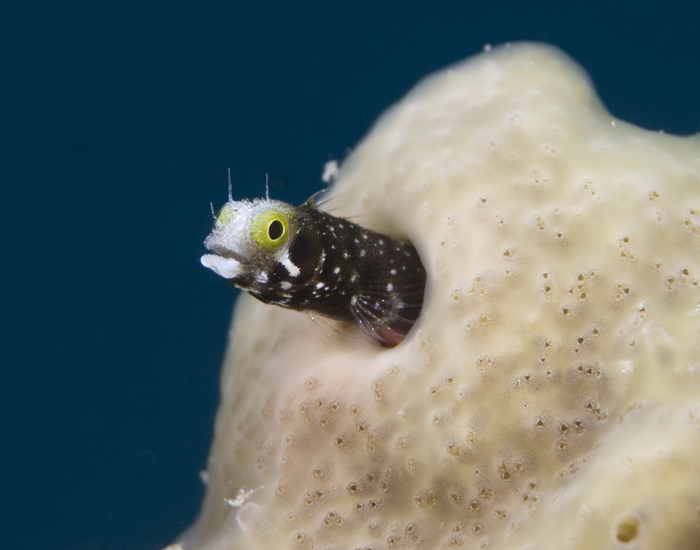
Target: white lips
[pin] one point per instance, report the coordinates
(225, 267)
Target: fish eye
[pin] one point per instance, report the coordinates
(270, 229)
(275, 230)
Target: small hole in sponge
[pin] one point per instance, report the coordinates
(627, 530)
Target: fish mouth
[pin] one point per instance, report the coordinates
(228, 268)
(224, 262)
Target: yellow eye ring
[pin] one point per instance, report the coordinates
(270, 229)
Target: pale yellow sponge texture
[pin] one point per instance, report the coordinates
(549, 396)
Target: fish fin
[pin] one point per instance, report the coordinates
(311, 202)
(367, 319)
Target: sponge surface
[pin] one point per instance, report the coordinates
(548, 396)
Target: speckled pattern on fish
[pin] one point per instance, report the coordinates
(305, 259)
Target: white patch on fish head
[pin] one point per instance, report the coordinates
(293, 269)
(230, 231)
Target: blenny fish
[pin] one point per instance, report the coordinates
(305, 259)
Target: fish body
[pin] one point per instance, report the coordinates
(305, 259)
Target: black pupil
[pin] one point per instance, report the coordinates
(275, 230)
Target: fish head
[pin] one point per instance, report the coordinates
(248, 239)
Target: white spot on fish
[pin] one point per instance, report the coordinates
(320, 285)
(294, 270)
(286, 285)
(390, 287)
(362, 252)
(336, 270)
(393, 272)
